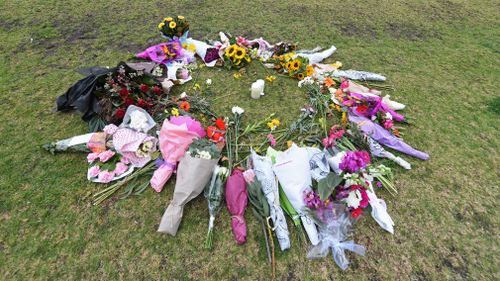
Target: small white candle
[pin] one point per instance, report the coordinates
(257, 89)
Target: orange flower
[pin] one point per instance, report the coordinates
(329, 82)
(185, 106)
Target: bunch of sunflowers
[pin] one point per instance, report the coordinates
(236, 56)
(171, 27)
(295, 66)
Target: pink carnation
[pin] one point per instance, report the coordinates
(92, 157)
(106, 176)
(271, 139)
(388, 124)
(94, 171)
(242, 41)
(120, 168)
(106, 155)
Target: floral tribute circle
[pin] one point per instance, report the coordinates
(322, 171)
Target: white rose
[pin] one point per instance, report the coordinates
(209, 82)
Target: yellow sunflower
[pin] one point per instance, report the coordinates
(161, 25)
(289, 65)
(172, 24)
(296, 65)
(180, 17)
(300, 76)
(240, 53)
(169, 19)
(309, 70)
(230, 51)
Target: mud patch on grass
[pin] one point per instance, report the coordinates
(354, 29)
(457, 263)
(10, 25)
(408, 31)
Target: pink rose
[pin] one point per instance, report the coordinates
(242, 41)
(94, 171)
(120, 168)
(92, 157)
(106, 176)
(106, 155)
(184, 74)
(388, 124)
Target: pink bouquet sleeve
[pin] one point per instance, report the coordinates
(174, 142)
(237, 199)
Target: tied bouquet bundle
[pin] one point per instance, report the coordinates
(294, 175)
(194, 172)
(235, 52)
(214, 193)
(334, 230)
(125, 87)
(292, 65)
(237, 200)
(175, 137)
(166, 53)
(174, 27)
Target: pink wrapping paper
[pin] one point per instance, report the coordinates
(236, 200)
(127, 141)
(175, 138)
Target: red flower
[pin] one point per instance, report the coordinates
(120, 113)
(214, 134)
(185, 106)
(124, 93)
(356, 212)
(129, 101)
(144, 88)
(219, 123)
(362, 108)
(157, 90)
(142, 103)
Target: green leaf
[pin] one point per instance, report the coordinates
(328, 184)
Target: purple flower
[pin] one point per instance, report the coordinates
(312, 199)
(353, 161)
(211, 55)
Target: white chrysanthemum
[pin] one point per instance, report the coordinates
(209, 82)
(237, 110)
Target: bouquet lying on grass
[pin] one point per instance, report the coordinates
(322, 170)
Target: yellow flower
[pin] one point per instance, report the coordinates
(271, 78)
(248, 59)
(174, 111)
(273, 124)
(237, 76)
(240, 53)
(295, 65)
(161, 25)
(344, 119)
(309, 70)
(289, 143)
(168, 19)
(300, 76)
(337, 64)
(180, 17)
(230, 51)
(196, 86)
(172, 24)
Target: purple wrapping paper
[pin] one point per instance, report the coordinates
(384, 137)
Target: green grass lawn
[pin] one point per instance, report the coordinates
(441, 56)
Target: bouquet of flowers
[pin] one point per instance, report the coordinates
(175, 137)
(107, 166)
(236, 200)
(235, 51)
(194, 172)
(214, 192)
(334, 230)
(174, 27)
(165, 53)
(263, 168)
(293, 172)
(124, 87)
